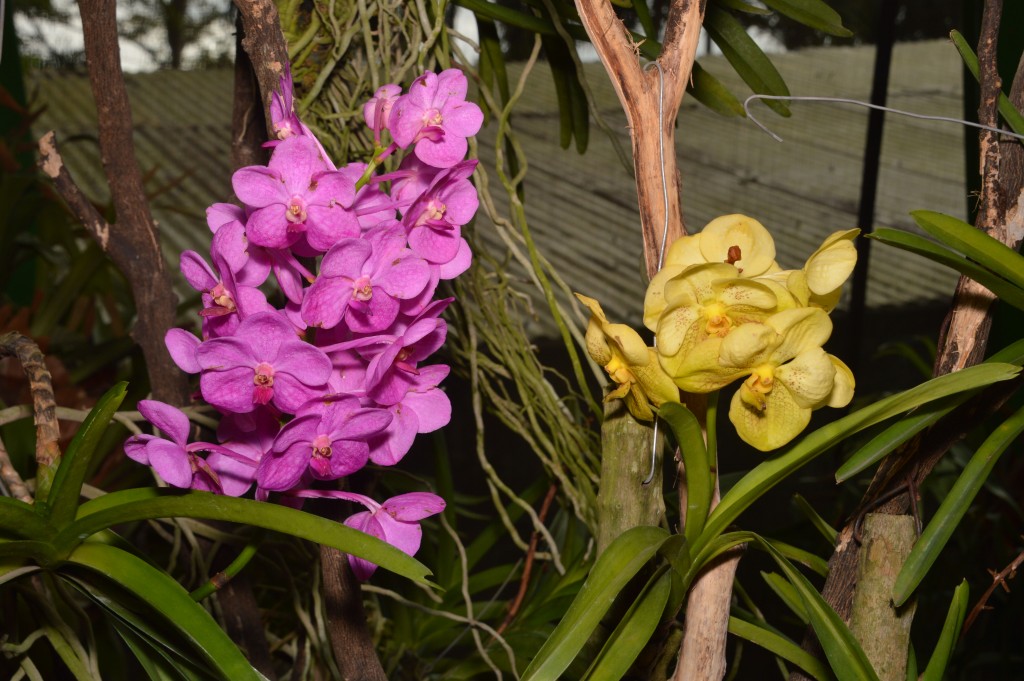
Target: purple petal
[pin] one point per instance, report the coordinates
(405, 278)
(197, 272)
(171, 462)
(326, 301)
(451, 85)
(135, 448)
(225, 353)
(297, 159)
(443, 153)
(235, 477)
(463, 119)
(436, 245)
(347, 457)
(307, 364)
(376, 315)
(266, 333)
(258, 186)
(220, 214)
(327, 225)
(433, 409)
(403, 536)
(269, 227)
(365, 424)
(459, 264)
(397, 440)
(406, 120)
(413, 506)
(290, 394)
(182, 346)
(230, 390)
(168, 419)
(346, 259)
(279, 472)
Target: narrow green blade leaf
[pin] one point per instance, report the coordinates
(936, 669)
(975, 244)
(750, 62)
(827, 531)
(844, 653)
(741, 6)
(167, 597)
(633, 631)
(508, 15)
(787, 594)
(810, 560)
(614, 568)
(67, 484)
(146, 504)
(155, 663)
(953, 508)
(700, 483)
(813, 13)
(1006, 108)
(710, 92)
(18, 519)
(769, 473)
(781, 646)
(895, 435)
(1011, 294)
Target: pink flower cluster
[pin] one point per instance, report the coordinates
(333, 380)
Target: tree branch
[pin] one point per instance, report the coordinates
(134, 244)
(264, 42)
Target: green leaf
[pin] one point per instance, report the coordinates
(562, 73)
(167, 597)
(710, 92)
(781, 646)
(749, 61)
(813, 13)
(974, 243)
(614, 568)
(769, 473)
(954, 506)
(895, 435)
(508, 15)
(633, 631)
(67, 484)
(148, 503)
(827, 531)
(741, 6)
(157, 664)
(18, 519)
(643, 15)
(844, 653)
(700, 482)
(806, 558)
(913, 243)
(787, 594)
(936, 669)
(1006, 108)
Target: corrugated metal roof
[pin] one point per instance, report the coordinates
(582, 209)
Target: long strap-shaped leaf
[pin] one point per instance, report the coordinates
(766, 475)
(780, 646)
(612, 571)
(974, 243)
(167, 597)
(913, 243)
(67, 484)
(700, 482)
(953, 508)
(149, 503)
(633, 631)
(936, 669)
(18, 519)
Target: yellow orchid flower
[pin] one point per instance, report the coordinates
(790, 375)
(629, 362)
(735, 240)
(708, 301)
(820, 282)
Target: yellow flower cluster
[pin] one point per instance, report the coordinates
(722, 310)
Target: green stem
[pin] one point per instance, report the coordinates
(227, 574)
(711, 430)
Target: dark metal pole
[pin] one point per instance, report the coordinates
(886, 36)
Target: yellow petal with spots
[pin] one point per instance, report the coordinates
(738, 240)
(747, 346)
(801, 329)
(809, 377)
(831, 265)
(842, 388)
(774, 426)
(684, 251)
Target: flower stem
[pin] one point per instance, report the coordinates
(224, 576)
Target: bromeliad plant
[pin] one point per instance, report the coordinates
(310, 392)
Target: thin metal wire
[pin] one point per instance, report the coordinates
(857, 102)
(664, 234)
